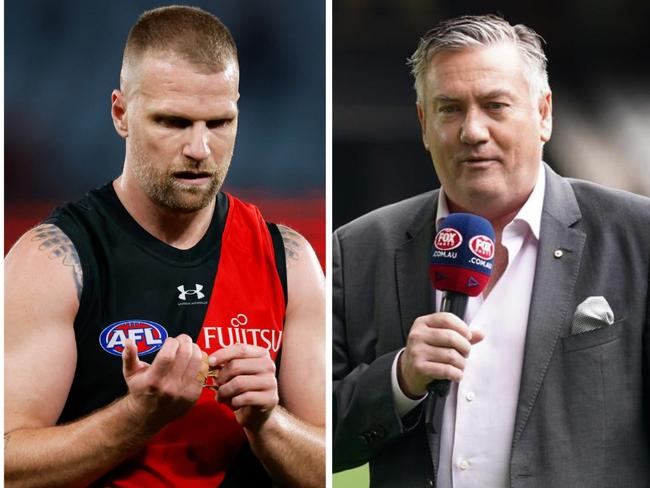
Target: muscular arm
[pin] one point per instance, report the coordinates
(289, 439)
(42, 288)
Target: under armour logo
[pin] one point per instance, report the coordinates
(197, 291)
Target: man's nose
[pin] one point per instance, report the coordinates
(474, 129)
(197, 147)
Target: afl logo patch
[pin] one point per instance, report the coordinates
(447, 239)
(482, 246)
(148, 336)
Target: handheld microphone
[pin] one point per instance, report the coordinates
(460, 266)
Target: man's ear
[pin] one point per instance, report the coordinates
(422, 116)
(118, 113)
(546, 116)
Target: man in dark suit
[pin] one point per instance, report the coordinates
(556, 390)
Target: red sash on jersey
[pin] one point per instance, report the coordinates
(246, 305)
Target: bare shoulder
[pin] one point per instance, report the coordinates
(42, 286)
(303, 267)
(302, 372)
(45, 254)
(295, 245)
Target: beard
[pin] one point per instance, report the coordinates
(163, 186)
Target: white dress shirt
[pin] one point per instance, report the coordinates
(479, 413)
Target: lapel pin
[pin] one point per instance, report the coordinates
(558, 253)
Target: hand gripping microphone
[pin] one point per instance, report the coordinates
(460, 266)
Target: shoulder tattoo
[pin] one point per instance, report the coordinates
(57, 245)
(291, 242)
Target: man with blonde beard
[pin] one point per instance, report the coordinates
(159, 265)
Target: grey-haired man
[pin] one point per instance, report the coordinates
(536, 403)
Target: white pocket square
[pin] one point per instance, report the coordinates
(594, 313)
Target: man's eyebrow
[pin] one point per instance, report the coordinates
(174, 115)
(164, 114)
(489, 95)
(497, 94)
(445, 99)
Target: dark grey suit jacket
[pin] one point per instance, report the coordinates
(583, 416)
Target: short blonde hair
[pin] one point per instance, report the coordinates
(191, 33)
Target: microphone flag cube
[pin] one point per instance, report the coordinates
(462, 254)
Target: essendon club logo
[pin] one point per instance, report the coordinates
(148, 336)
(482, 246)
(447, 239)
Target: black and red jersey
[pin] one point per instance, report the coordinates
(229, 288)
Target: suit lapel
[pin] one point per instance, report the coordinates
(412, 266)
(553, 288)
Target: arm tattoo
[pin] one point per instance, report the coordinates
(58, 245)
(7, 439)
(291, 242)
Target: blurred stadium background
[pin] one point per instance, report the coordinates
(598, 71)
(62, 60)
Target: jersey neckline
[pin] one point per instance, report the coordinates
(122, 219)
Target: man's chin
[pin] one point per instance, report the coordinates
(478, 188)
(476, 197)
(188, 201)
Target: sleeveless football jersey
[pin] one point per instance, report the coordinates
(229, 288)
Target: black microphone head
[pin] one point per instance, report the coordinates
(462, 254)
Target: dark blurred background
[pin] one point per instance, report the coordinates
(62, 60)
(598, 70)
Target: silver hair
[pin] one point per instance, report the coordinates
(482, 30)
